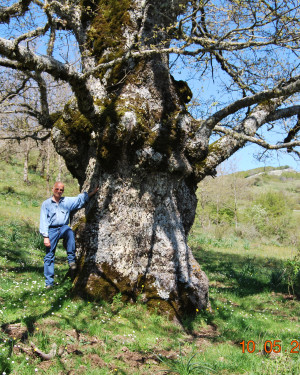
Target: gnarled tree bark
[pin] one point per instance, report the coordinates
(133, 238)
(128, 128)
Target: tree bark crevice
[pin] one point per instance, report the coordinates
(141, 224)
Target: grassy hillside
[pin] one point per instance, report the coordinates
(252, 206)
(251, 294)
(22, 200)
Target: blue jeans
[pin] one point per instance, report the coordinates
(55, 234)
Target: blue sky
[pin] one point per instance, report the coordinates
(244, 159)
(207, 89)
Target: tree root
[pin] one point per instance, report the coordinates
(45, 356)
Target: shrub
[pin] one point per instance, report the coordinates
(292, 275)
(270, 214)
(275, 203)
(258, 216)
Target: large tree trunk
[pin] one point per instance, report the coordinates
(132, 238)
(128, 128)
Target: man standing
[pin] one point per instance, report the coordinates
(55, 217)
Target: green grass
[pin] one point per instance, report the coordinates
(261, 248)
(249, 301)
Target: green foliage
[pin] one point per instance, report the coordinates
(36, 239)
(271, 214)
(223, 215)
(291, 274)
(258, 216)
(235, 204)
(275, 203)
(246, 245)
(242, 307)
(8, 190)
(203, 239)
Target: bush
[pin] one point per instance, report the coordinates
(275, 203)
(297, 284)
(292, 275)
(258, 216)
(223, 215)
(271, 215)
(247, 231)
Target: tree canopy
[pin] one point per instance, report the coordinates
(250, 48)
(99, 76)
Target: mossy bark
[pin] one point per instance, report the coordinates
(133, 239)
(134, 242)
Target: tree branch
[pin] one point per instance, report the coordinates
(13, 93)
(227, 145)
(15, 10)
(34, 136)
(44, 116)
(294, 131)
(232, 71)
(284, 113)
(32, 34)
(260, 142)
(24, 59)
(282, 90)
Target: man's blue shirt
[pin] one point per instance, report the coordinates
(56, 214)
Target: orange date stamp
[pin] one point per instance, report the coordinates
(271, 346)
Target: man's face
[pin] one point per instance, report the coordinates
(58, 190)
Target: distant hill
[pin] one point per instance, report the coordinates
(254, 204)
(266, 170)
(274, 172)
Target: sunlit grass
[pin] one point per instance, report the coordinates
(247, 303)
(244, 306)
(233, 245)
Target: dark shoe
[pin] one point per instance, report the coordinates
(73, 266)
(49, 287)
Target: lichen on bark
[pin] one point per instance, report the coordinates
(135, 243)
(132, 237)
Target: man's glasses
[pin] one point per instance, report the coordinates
(59, 189)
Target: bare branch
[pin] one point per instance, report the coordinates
(44, 116)
(227, 145)
(232, 71)
(15, 10)
(51, 42)
(25, 59)
(11, 64)
(294, 131)
(286, 90)
(34, 136)
(11, 94)
(260, 142)
(32, 34)
(284, 113)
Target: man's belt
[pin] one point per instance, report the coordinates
(55, 226)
